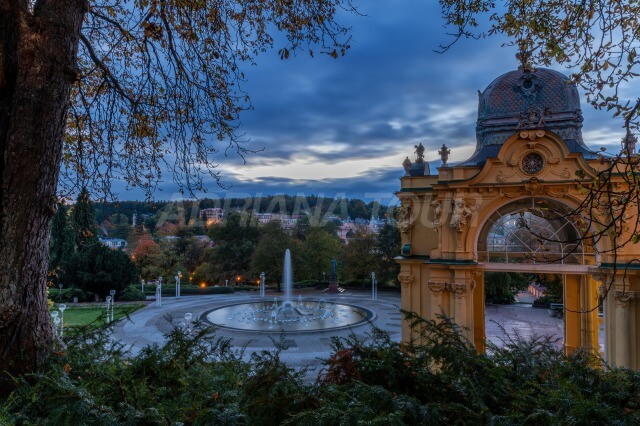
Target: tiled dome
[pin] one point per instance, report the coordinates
(524, 99)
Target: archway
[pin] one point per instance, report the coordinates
(504, 209)
(538, 235)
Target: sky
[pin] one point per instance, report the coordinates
(342, 127)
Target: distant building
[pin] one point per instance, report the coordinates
(114, 243)
(212, 215)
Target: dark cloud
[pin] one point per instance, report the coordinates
(391, 91)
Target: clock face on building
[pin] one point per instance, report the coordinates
(532, 163)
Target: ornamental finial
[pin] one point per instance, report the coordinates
(444, 155)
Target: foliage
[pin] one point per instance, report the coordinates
(598, 40)
(133, 293)
(235, 240)
(502, 287)
(437, 379)
(99, 269)
(268, 254)
(388, 246)
(68, 294)
(83, 220)
(553, 284)
(193, 378)
(360, 255)
(62, 244)
(316, 252)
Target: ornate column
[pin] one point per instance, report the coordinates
(459, 292)
(406, 280)
(436, 289)
(623, 329)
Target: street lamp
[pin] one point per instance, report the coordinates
(262, 282)
(187, 318)
(374, 287)
(159, 293)
(113, 301)
(177, 277)
(108, 306)
(62, 307)
(60, 286)
(56, 321)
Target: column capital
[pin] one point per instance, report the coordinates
(458, 289)
(437, 287)
(624, 297)
(602, 277)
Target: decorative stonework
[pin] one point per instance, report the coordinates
(460, 217)
(458, 289)
(602, 277)
(436, 208)
(437, 287)
(502, 177)
(532, 163)
(534, 187)
(404, 220)
(532, 134)
(564, 174)
(405, 280)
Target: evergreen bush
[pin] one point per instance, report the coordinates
(440, 378)
(133, 293)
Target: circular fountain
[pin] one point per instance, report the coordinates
(287, 315)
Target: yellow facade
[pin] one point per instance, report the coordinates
(446, 220)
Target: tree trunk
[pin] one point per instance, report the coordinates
(37, 56)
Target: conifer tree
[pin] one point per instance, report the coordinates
(62, 246)
(84, 220)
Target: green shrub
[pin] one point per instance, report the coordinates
(440, 378)
(67, 295)
(132, 294)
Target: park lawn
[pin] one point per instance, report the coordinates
(82, 315)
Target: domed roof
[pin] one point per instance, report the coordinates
(527, 99)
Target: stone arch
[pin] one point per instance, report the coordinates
(508, 206)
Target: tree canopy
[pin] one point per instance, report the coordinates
(159, 83)
(598, 41)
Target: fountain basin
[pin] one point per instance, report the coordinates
(278, 317)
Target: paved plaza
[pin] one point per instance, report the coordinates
(148, 325)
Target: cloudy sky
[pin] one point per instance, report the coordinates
(343, 126)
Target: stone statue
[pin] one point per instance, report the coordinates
(461, 215)
(419, 152)
(437, 212)
(406, 164)
(403, 216)
(334, 266)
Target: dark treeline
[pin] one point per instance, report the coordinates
(280, 204)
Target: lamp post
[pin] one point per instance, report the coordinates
(113, 301)
(159, 293)
(374, 287)
(56, 321)
(60, 286)
(226, 283)
(262, 280)
(62, 307)
(177, 277)
(142, 286)
(108, 308)
(187, 318)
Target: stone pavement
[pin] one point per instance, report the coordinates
(148, 325)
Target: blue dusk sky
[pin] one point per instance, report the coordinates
(342, 127)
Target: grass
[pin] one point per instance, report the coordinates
(82, 315)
